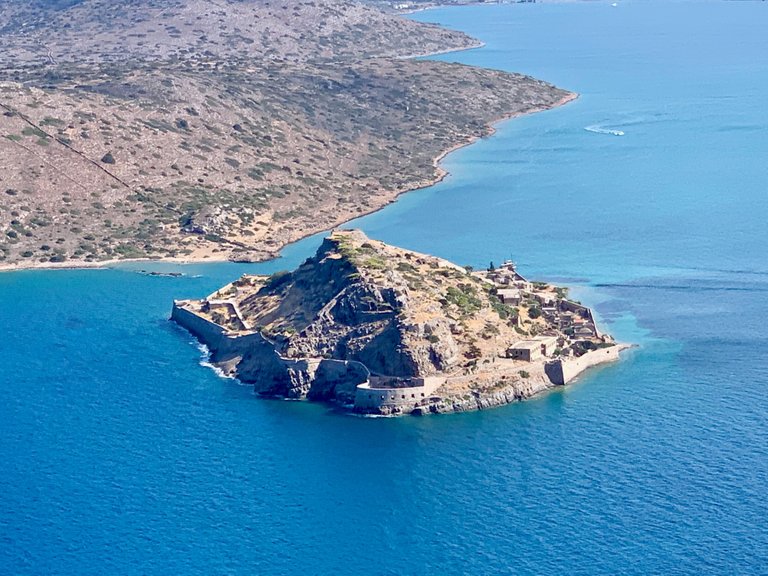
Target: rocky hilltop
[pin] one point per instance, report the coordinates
(384, 330)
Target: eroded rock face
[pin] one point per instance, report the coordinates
(387, 354)
(264, 369)
(337, 381)
(442, 352)
(357, 302)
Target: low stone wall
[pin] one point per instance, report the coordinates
(234, 312)
(222, 346)
(389, 400)
(562, 371)
(583, 311)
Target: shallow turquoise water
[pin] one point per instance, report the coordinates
(122, 455)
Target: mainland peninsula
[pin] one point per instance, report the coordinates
(387, 331)
(223, 130)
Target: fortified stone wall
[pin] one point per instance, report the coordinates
(562, 371)
(253, 359)
(584, 311)
(214, 336)
(368, 399)
(204, 330)
(571, 306)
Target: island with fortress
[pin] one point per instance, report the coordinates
(383, 330)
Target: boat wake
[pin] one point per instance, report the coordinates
(601, 130)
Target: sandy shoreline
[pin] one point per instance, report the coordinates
(440, 174)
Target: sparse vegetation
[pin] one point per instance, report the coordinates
(464, 297)
(253, 136)
(277, 280)
(504, 311)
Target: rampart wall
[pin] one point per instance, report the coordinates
(221, 345)
(209, 333)
(562, 371)
(372, 399)
(254, 359)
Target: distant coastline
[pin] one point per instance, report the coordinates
(479, 44)
(212, 258)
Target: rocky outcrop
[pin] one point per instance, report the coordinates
(490, 398)
(343, 304)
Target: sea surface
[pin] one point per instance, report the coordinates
(121, 454)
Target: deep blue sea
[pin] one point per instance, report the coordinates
(121, 454)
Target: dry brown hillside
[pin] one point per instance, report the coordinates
(92, 31)
(191, 129)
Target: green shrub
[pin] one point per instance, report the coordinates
(464, 298)
(32, 131)
(375, 264)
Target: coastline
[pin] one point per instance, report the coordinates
(439, 175)
(492, 128)
(538, 386)
(101, 264)
(478, 44)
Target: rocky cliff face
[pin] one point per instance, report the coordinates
(350, 302)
